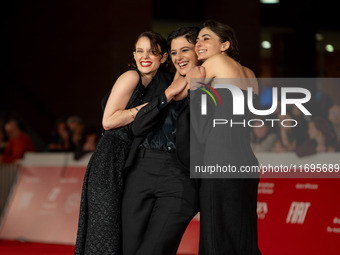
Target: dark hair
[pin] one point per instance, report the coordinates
(155, 40)
(225, 33)
(18, 122)
(189, 33)
(325, 127)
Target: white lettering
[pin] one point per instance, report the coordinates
(297, 212)
(298, 102)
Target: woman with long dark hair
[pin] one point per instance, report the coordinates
(228, 219)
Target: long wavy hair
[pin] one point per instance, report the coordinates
(225, 33)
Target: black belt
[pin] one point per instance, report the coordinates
(144, 153)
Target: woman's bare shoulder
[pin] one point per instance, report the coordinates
(249, 73)
(220, 66)
(252, 79)
(130, 74)
(127, 81)
(213, 61)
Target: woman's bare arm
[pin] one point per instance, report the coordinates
(115, 114)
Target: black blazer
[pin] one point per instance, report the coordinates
(152, 116)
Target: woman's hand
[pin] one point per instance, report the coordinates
(182, 94)
(176, 88)
(197, 73)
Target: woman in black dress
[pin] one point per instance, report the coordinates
(227, 205)
(99, 227)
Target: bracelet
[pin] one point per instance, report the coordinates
(132, 114)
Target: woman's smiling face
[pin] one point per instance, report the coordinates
(183, 55)
(148, 60)
(208, 44)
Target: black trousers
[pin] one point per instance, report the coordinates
(159, 201)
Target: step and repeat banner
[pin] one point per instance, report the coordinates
(295, 216)
(44, 204)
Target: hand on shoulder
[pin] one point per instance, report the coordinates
(196, 72)
(177, 87)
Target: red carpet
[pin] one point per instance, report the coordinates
(27, 248)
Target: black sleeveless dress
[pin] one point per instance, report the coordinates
(99, 226)
(228, 218)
